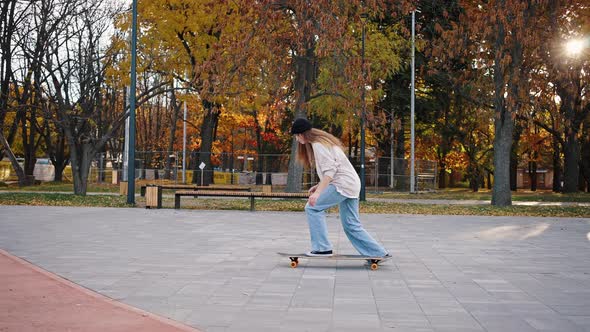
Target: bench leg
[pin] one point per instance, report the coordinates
(252, 203)
(159, 197)
(177, 201)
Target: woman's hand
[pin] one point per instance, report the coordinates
(312, 189)
(316, 190)
(313, 198)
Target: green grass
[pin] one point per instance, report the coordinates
(479, 210)
(50, 199)
(44, 199)
(466, 194)
(389, 208)
(454, 193)
(62, 187)
(57, 199)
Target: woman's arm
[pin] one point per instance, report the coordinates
(326, 162)
(318, 190)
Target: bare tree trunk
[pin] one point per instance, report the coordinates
(81, 161)
(571, 149)
(208, 129)
(56, 150)
(474, 176)
(503, 126)
(585, 158)
(514, 155)
(259, 144)
(533, 175)
(7, 27)
(22, 179)
(60, 160)
(175, 111)
(443, 150)
(447, 134)
(502, 144)
(305, 77)
(556, 167)
(571, 170)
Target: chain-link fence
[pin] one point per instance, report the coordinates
(381, 174)
(394, 174)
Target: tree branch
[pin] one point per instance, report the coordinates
(328, 93)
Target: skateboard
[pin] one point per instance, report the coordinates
(373, 261)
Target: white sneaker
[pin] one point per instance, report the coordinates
(326, 253)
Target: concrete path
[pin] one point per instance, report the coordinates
(218, 270)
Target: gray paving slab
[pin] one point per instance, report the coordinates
(218, 270)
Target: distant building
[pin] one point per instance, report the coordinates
(544, 179)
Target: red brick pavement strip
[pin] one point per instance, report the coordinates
(32, 299)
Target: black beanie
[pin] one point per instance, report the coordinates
(300, 125)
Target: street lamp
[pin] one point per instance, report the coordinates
(362, 196)
(392, 154)
(412, 105)
(184, 145)
(131, 150)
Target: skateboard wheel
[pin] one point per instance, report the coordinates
(374, 266)
(293, 264)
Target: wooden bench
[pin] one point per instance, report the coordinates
(193, 187)
(221, 193)
(153, 193)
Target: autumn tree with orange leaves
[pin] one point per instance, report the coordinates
(501, 34)
(319, 37)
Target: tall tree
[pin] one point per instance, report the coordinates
(10, 19)
(323, 38)
(567, 21)
(205, 42)
(77, 82)
(501, 34)
(444, 76)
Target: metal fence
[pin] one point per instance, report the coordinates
(381, 174)
(393, 174)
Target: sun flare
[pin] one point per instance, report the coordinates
(575, 46)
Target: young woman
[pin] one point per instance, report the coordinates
(339, 185)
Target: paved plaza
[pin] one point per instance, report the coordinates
(218, 270)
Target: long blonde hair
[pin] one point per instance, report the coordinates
(305, 151)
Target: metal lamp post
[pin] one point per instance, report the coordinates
(132, 91)
(362, 196)
(184, 145)
(392, 154)
(412, 105)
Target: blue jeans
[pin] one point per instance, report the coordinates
(349, 215)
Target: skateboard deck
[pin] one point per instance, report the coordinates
(373, 261)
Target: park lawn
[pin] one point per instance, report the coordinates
(62, 187)
(486, 195)
(449, 194)
(55, 199)
(67, 186)
(391, 208)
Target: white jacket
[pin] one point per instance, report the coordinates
(332, 162)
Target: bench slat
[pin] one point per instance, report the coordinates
(251, 195)
(193, 187)
(239, 194)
